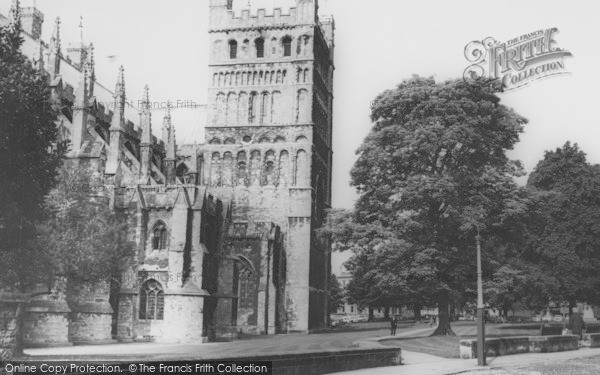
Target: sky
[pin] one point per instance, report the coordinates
(378, 44)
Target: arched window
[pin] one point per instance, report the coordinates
(159, 236)
(287, 46)
(152, 301)
(260, 47)
(233, 49)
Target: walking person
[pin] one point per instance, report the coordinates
(393, 326)
(431, 321)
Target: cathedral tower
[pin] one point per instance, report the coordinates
(269, 149)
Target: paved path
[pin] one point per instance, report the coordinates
(425, 364)
(257, 345)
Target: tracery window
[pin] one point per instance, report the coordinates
(152, 301)
(159, 236)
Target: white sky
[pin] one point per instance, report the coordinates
(378, 43)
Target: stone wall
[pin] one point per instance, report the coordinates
(320, 362)
(591, 340)
(46, 320)
(519, 345)
(11, 315)
(91, 314)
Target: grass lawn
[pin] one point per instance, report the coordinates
(449, 346)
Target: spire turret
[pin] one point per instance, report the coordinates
(146, 118)
(146, 138)
(55, 52)
(90, 67)
(117, 127)
(171, 147)
(39, 62)
(118, 119)
(15, 16)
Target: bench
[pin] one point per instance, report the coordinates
(550, 330)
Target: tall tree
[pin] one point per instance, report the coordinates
(29, 150)
(564, 238)
(336, 294)
(432, 171)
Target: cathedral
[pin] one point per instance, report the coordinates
(225, 232)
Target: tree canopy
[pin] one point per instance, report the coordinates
(564, 240)
(30, 154)
(432, 170)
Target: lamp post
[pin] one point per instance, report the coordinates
(480, 308)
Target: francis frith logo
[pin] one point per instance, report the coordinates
(517, 62)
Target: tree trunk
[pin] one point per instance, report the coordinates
(443, 328)
(386, 312)
(417, 313)
(371, 314)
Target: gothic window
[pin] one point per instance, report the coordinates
(264, 108)
(152, 301)
(260, 47)
(287, 46)
(246, 289)
(159, 236)
(253, 107)
(233, 49)
(241, 169)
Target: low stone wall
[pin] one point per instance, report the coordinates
(522, 344)
(370, 355)
(325, 362)
(591, 340)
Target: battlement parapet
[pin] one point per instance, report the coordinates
(223, 17)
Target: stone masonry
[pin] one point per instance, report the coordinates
(224, 232)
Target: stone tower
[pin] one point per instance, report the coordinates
(268, 148)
